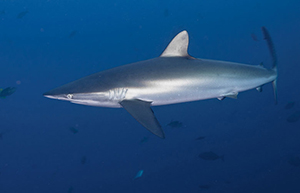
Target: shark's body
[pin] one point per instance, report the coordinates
(174, 77)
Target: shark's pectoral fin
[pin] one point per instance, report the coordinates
(142, 112)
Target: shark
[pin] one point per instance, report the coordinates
(173, 77)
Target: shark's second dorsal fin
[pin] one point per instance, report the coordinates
(178, 46)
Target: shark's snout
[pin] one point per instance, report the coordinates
(55, 94)
(50, 94)
(46, 94)
(59, 91)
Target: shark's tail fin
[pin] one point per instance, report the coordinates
(271, 47)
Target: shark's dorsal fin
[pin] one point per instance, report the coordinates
(178, 46)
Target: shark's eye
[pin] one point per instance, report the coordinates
(69, 96)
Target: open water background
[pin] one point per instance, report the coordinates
(57, 41)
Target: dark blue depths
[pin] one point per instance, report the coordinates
(53, 146)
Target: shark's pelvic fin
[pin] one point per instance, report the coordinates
(221, 98)
(142, 112)
(178, 46)
(230, 95)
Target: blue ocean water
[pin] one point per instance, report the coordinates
(53, 146)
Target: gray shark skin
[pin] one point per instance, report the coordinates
(174, 77)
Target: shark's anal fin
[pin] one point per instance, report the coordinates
(259, 89)
(143, 113)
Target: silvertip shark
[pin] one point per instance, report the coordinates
(173, 77)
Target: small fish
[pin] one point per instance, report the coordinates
(73, 130)
(294, 117)
(290, 105)
(294, 161)
(175, 124)
(145, 139)
(139, 174)
(7, 91)
(22, 14)
(254, 37)
(204, 186)
(72, 34)
(200, 138)
(210, 156)
(83, 160)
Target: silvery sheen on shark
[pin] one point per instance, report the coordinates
(173, 77)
